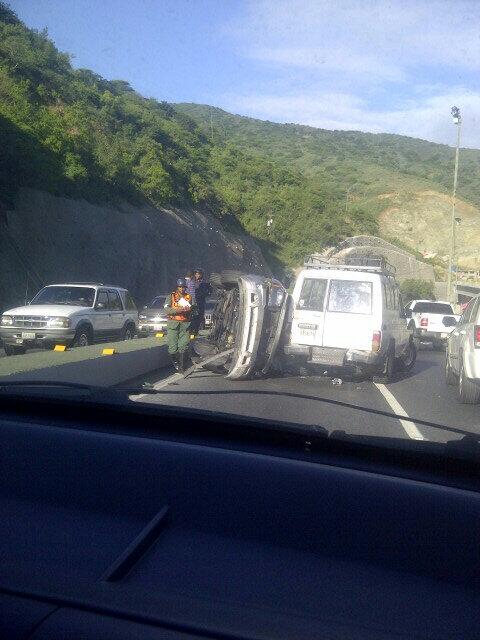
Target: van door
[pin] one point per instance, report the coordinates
(351, 312)
(309, 312)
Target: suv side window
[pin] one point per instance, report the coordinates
(129, 302)
(115, 302)
(102, 298)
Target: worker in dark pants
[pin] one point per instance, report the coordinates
(179, 306)
(202, 291)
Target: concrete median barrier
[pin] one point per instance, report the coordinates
(87, 365)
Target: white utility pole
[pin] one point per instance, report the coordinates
(457, 120)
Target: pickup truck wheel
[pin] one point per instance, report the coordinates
(386, 374)
(450, 377)
(407, 360)
(468, 391)
(83, 337)
(13, 350)
(128, 332)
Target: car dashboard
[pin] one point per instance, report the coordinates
(121, 523)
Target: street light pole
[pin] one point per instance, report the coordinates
(457, 119)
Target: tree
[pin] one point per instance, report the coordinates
(413, 289)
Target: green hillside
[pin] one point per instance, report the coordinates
(73, 133)
(365, 163)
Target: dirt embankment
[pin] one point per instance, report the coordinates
(422, 220)
(144, 249)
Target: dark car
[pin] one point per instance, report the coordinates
(152, 317)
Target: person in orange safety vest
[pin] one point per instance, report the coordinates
(179, 306)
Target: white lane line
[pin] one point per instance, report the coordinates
(176, 377)
(410, 428)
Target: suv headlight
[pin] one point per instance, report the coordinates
(6, 321)
(141, 317)
(58, 322)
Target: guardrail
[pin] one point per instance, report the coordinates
(87, 365)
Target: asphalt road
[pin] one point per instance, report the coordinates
(421, 394)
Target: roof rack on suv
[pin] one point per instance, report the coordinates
(353, 263)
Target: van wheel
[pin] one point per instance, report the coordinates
(450, 377)
(83, 337)
(468, 391)
(386, 374)
(407, 360)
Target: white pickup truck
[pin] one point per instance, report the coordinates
(431, 321)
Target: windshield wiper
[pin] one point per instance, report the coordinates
(300, 396)
(7, 388)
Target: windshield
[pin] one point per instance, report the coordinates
(250, 206)
(432, 307)
(157, 303)
(79, 296)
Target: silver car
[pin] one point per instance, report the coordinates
(462, 362)
(152, 317)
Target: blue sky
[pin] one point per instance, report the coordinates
(384, 66)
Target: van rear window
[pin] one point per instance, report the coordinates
(433, 307)
(350, 296)
(312, 295)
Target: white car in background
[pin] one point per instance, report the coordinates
(76, 314)
(462, 361)
(431, 321)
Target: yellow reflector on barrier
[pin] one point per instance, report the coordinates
(160, 334)
(59, 347)
(108, 352)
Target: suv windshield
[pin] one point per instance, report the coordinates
(78, 296)
(433, 307)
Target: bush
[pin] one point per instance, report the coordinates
(413, 289)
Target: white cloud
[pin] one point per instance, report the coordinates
(330, 60)
(395, 33)
(375, 65)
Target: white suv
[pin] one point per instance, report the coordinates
(72, 314)
(349, 317)
(462, 362)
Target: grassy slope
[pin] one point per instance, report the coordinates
(370, 163)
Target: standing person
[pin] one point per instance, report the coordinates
(202, 291)
(190, 284)
(178, 307)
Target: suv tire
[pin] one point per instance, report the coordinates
(83, 336)
(386, 374)
(468, 391)
(128, 332)
(14, 350)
